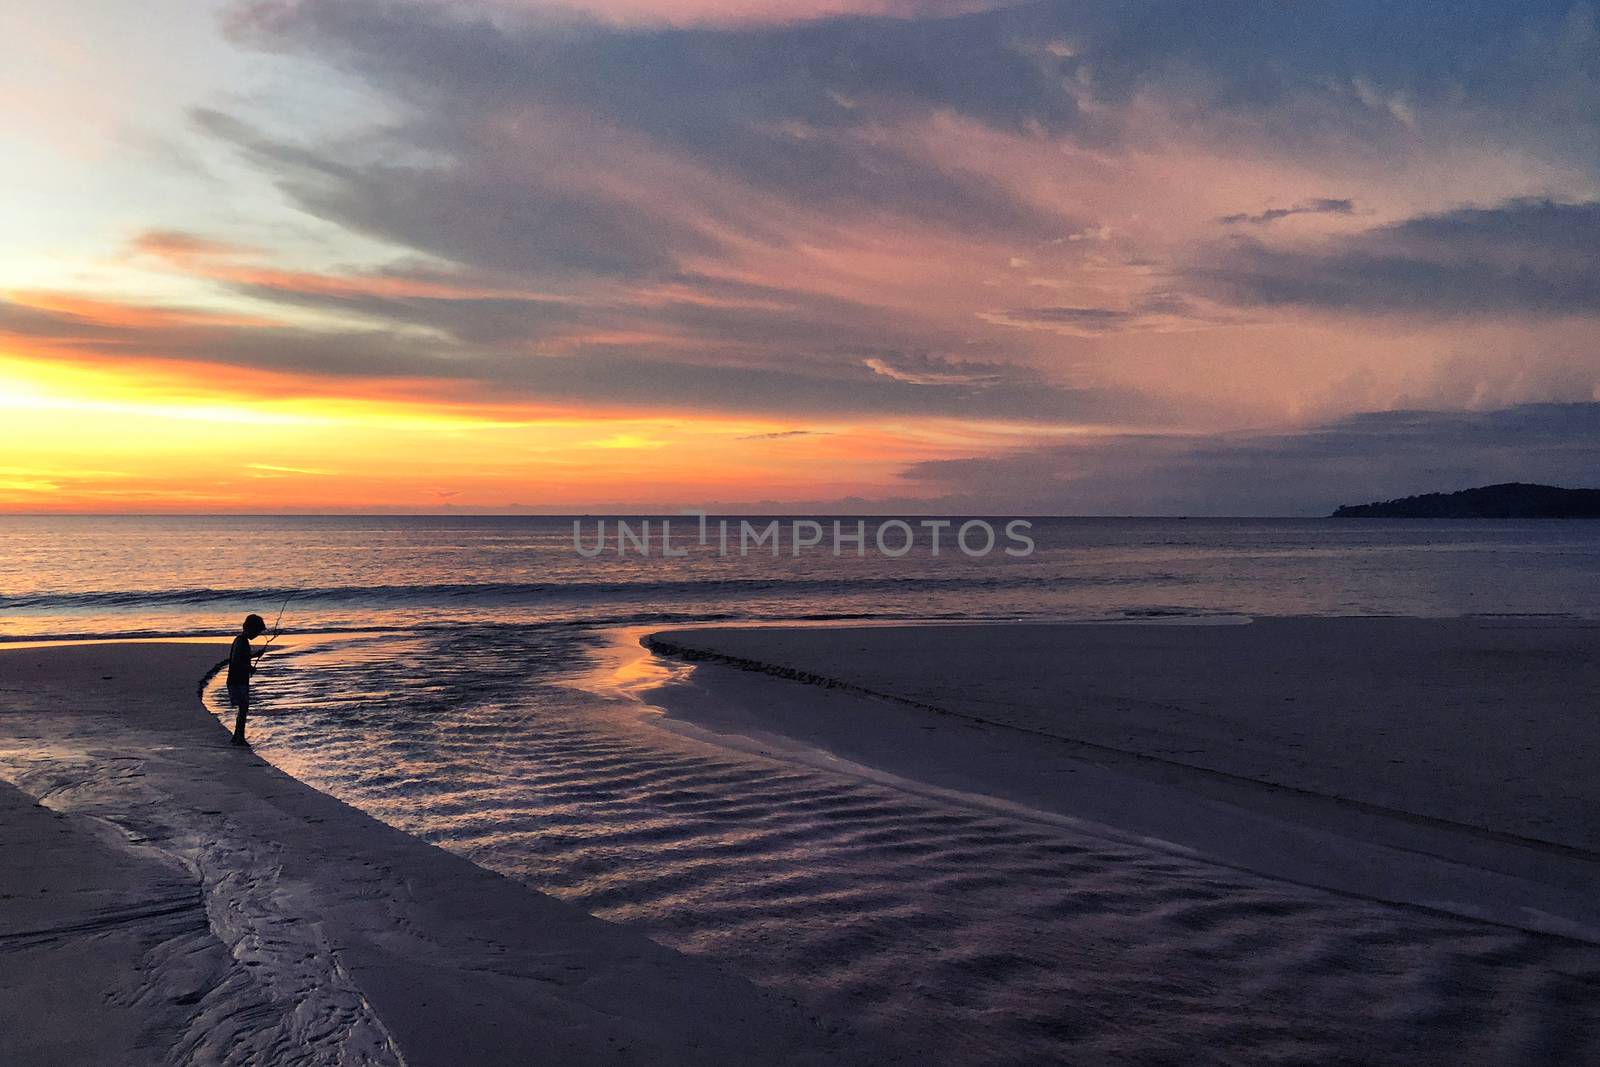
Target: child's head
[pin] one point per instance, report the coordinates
(254, 626)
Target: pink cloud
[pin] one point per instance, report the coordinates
(687, 12)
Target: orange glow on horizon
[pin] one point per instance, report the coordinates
(88, 437)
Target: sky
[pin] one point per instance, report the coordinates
(1066, 257)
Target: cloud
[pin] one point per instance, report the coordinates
(812, 190)
(783, 435)
(269, 470)
(671, 311)
(1155, 311)
(742, 12)
(1320, 206)
(1368, 456)
(620, 376)
(661, 206)
(609, 149)
(1524, 256)
(182, 245)
(538, 145)
(243, 268)
(497, 207)
(933, 371)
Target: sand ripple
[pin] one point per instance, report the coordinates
(954, 933)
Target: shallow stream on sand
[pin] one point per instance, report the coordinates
(950, 930)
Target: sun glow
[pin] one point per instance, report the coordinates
(88, 436)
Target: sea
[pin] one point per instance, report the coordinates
(83, 576)
(440, 673)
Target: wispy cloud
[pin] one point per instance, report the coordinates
(343, 361)
(1524, 256)
(269, 468)
(782, 435)
(931, 370)
(1160, 311)
(1320, 206)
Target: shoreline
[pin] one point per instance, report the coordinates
(219, 910)
(860, 695)
(211, 907)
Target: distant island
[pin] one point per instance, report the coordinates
(1509, 500)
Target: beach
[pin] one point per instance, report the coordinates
(913, 533)
(168, 898)
(950, 844)
(1481, 726)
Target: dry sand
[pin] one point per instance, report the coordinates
(165, 897)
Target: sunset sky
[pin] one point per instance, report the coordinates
(1073, 257)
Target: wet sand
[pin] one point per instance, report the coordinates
(1485, 726)
(165, 897)
(1210, 877)
(953, 888)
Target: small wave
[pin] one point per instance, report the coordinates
(511, 592)
(479, 626)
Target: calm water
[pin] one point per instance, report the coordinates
(440, 675)
(129, 575)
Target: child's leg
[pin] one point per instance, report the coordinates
(242, 699)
